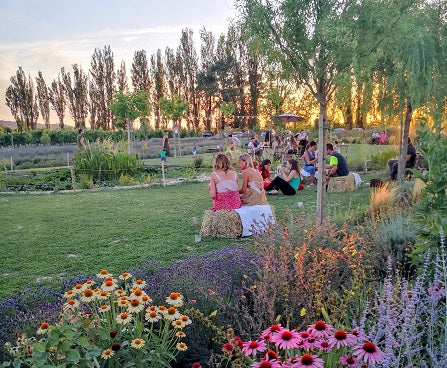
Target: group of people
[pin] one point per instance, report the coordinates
(379, 138)
(256, 182)
(289, 146)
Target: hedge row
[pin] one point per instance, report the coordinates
(60, 137)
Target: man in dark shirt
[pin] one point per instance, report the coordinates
(410, 160)
(337, 163)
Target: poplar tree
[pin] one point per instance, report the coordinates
(157, 73)
(76, 93)
(42, 97)
(121, 78)
(56, 96)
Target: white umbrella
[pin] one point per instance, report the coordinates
(288, 117)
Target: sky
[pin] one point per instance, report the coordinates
(45, 35)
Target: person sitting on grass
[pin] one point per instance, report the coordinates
(288, 180)
(337, 163)
(310, 158)
(264, 168)
(224, 185)
(252, 191)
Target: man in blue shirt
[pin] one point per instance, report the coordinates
(337, 163)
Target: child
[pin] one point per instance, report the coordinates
(194, 149)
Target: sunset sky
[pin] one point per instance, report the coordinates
(49, 34)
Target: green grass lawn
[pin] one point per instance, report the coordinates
(51, 236)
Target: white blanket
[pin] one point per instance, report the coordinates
(357, 178)
(255, 219)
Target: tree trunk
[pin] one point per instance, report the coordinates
(403, 144)
(322, 140)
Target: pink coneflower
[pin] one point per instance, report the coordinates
(286, 339)
(323, 345)
(320, 329)
(349, 361)
(253, 347)
(267, 364)
(369, 352)
(196, 365)
(271, 355)
(308, 360)
(266, 334)
(341, 338)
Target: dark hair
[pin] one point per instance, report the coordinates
(80, 130)
(230, 135)
(312, 143)
(330, 146)
(294, 165)
(262, 167)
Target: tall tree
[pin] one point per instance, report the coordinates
(311, 39)
(102, 71)
(140, 72)
(121, 78)
(21, 100)
(42, 97)
(173, 71)
(76, 93)
(189, 59)
(56, 95)
(157, 73)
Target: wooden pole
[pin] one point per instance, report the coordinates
(163, 173)
(321, 183)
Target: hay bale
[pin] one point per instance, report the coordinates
(341, 184)
(221, 224)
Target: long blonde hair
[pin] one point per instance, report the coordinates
(222, 163)
(246, 158)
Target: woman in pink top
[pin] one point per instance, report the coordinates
(224, 185)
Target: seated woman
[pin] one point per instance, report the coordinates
(288, 181)
(292, 147)
(264, 168)
(224, 185)
(310, 158)
(252, 190)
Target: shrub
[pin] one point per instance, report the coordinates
(127, 180)
(45, 139)
(380, 160)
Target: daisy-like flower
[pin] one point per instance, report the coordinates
(286, 339)
(107, 354)
(104, 308)
(139, 284)
(88, 296)
(109, 284)
(266, 363)
(89, 283)
(146, 300)
(349, 361)
(162, 308)
(69, 294)
(102, 295)
(152, 308)
(152, 316)
(175, 299)
(369, 353)
(119, 292)
(253, 347)
(125, 276)
(71, 304)
(43, 329)
(181, 346)
(79, 288)
(137, 343)
(135, 306)
(228, 348)
(186, 320)
(271, 355)
(309, 361)
(266, 334)
(178, 323)
(171, 314)
(320, 329)
(180, 334)
(124, 318)
(122, 302)
(341, 338)
(323, 345)
(103, 274)
(137, 293)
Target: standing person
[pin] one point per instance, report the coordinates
(165, 143)
(310, 158)
(337, 163)
(264, 168)
(194, 149)
(288, 180)
(80, 138)
(409, 163)
(224, 185)
(383, 138)
(252, 191)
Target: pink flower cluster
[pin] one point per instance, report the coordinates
(281, 347)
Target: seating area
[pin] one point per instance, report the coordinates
(244, 221)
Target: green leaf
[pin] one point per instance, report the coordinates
(39, 347)
(73, 356)
(83, 341)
